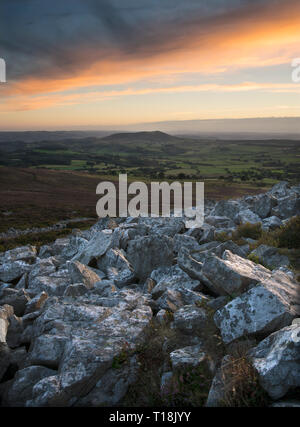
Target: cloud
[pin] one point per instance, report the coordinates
(105, 42)
(39, 42)
(25, 103)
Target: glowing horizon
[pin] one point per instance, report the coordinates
(149, 65)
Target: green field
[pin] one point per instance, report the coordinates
(155, 155)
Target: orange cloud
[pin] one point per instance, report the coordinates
(25, 103)
(251, 38)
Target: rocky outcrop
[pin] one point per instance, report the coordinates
(76, 315)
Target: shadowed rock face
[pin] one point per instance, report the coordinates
(74, 316)
(277, 361)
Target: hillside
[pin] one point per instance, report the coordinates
(142, 137)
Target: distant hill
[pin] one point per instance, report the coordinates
(138, 137)
(253, 128)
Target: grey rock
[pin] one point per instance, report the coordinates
(112, 387)
(262, 205)
(172, 278)
(189, 242)
(233, 274)
(279, 190)
(59, 245)
(271, 223)
(164, 226)
(11, 271)
(245, 216)
(76, 244)
(47, 350)
(117, 267)
(15, 331)
(228, 208)
(162, 316)
(219, 386)
(188, 357)
(17, 299)
(36, 303)
(189, 319)
(96, 247)
(269, 306)
(50, 285)
(80, 273)
(6, 311)
(277, 361)
(147, 253)
(192, 267)
(21, 390)
(25, 253)
(105, 288)
(126, 232)
(171, 300)
(208, 234)
(287, 207)
(75, 290)
(95, 335)
(217, 303)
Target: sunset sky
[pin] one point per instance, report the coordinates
(86, 63)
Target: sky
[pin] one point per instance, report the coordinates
(76, 64)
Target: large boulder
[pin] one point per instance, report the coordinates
(277, 361)
(147, 253)
(233, 274)
(267, 307)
